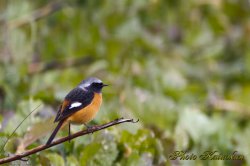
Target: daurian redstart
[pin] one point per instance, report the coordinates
(80, 105)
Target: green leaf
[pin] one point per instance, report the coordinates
(55, 159)
(72, 161)
(193, 122)
(102, 154)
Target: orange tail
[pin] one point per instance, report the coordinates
(59, 125)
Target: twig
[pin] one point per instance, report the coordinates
(18, 127)
(64, 139)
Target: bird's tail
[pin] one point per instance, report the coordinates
(59, 125)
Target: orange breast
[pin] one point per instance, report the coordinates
(89, 112)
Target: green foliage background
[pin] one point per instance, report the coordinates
(181, 67)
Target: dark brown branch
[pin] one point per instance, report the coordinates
(64, 139)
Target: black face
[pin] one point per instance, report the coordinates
(96, 87)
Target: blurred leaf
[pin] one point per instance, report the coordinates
(38, 130)
(55, 159)
(197, 125)
(11, 145)
(243, 146)
(44, 160)
(103, 153)
(88, 153)
(72, 161)
(142, 146)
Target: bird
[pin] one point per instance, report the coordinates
(80, 105)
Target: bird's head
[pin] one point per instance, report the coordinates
(92, 84)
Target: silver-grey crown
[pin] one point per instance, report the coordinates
(87, 82)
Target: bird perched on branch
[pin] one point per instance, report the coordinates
(80, 105)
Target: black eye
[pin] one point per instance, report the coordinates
(97, 84)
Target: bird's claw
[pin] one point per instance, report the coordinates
(23, 159)
(135, 121)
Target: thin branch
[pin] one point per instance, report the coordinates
(18, 127)
(64, 139)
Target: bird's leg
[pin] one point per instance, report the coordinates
(89, 128)
(69, 130)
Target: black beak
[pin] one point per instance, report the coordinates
(104, 85)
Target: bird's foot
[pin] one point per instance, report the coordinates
(90, 129)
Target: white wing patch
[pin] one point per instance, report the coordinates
(76, 104)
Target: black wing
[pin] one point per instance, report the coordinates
(76, 95)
